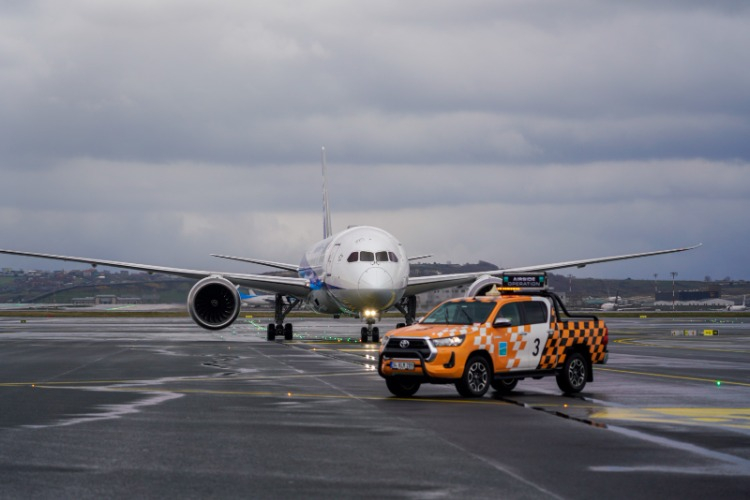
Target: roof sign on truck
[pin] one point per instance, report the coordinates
(524, 282)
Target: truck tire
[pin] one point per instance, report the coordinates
(402, 387)
(504, 385)
(475, 381)
(572, 378)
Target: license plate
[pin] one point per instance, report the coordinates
(402, 365)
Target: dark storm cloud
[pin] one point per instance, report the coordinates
(624, 125)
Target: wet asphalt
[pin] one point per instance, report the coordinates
(158, 408)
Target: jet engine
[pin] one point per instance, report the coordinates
(214, 303)
(482, 285)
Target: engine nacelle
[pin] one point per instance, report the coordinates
(482, 285)
(214, 303)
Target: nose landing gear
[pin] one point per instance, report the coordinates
(370, 331)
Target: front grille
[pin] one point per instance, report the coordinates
(417, 348)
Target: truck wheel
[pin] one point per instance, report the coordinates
(476, 378)
(504, 385)
(402, 387)
(572, 378)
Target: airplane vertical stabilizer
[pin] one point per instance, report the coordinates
(327, 231)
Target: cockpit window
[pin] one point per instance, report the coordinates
(372, 257)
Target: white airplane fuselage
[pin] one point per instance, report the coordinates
(363, 270)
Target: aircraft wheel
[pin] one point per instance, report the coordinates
(271, 333)
(288, 332)
(572, 378)
(363, 333)
(376, 334)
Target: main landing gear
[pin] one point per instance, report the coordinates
(278, 328)
(408, 307)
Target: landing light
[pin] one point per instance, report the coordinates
(370, 313)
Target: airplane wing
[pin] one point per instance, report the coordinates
(277, 265)
(297, 287)
(420, 284)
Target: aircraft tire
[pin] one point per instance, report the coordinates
(363, 334)
(288, 331)
(271, 333)
(376, 335)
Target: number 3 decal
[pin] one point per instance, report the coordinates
(536, 347)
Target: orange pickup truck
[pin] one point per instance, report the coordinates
(495, 341)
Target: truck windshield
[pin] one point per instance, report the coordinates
(460, 313)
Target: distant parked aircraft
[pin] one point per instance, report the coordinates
(741, 307)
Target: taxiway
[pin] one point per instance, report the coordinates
(161, 408)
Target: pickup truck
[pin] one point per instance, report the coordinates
(494, 341)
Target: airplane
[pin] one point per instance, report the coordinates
(611, 304)
(741, 307)
(254, 300)
(361, 271)
(617, 303)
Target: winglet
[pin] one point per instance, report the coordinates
(327, 231)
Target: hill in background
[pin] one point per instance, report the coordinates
(63, 287)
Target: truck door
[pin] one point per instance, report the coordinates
(520, 346)
(535, 331)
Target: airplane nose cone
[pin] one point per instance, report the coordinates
(376, 288)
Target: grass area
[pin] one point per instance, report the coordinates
(675, 314)
(120, 313)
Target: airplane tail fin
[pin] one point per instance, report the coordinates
(327, 231)
(245, 296)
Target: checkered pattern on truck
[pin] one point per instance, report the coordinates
(570, 333)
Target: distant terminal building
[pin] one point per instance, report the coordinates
(711, 297)
(688, 295)
(428, 300)
(105, 300)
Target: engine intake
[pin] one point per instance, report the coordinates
(214, 303)
(482, 285)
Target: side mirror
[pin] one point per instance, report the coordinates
(502, 323)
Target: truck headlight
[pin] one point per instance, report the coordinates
(449, 341)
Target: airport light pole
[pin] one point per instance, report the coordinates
(673, 275)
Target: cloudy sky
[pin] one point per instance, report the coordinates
(518, 132)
